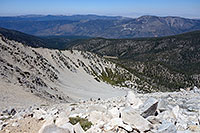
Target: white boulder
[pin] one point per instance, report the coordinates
(132, 100)
(175, 111)
(95, 117)
(78, 128)
(62, 119)
(196, 90)
(130, 116)
(114, 112)
(149, 107)
(167, 127)
(40, 114)
(68, 126)
(53, 129)
(115, 122)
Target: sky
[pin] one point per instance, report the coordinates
(127, 8)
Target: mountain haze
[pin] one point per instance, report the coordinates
(100, 26)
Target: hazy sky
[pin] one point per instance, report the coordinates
(131, 8)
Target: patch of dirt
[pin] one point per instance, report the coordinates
(26, 125)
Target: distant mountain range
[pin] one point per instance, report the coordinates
(100, 26)
(58, 17)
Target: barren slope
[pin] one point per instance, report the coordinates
(59, 76)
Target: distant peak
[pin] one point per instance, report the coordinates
(147, 16)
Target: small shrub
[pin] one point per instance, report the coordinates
(73, 104)
(85, 124)
(5, 118)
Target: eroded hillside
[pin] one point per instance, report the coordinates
(63, 75)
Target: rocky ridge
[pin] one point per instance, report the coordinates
(151, 113)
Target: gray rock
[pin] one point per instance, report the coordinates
(193, 108)
(196, 90)
(132, 100)
(62, 119)
(78, 128)
(153, 120)
(49, 121)
(130, 116)
(167, 127)
(149, 107)
(15, 124)
(12, 111)
(68, 126)
(176, 111)
(114, 112)
(95, 117)
(116, 122)
(162, 105)
(183, 90)
(5, 117)
(40, 114)
(54, 129)
(4, 124)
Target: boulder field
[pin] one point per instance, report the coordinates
(169, 112)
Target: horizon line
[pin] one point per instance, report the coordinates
(96, 14)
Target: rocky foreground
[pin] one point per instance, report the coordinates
(168, 112)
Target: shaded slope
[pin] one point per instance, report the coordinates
(171, 62)
(52, 42)
(23, 38)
